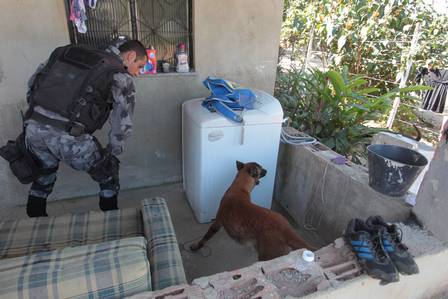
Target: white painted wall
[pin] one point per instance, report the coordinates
(234, 39)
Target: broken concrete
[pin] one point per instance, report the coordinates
(242, 283)
(293, 276)
(334, 274)
(322, 196)
(278, 278)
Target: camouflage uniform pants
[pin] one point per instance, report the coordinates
(51, 145)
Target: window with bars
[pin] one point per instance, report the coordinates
(163, 24)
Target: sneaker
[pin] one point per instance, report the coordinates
(391, 239)
(366, 244)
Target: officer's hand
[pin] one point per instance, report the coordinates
(114, 150)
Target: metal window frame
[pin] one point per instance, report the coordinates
(134, 26)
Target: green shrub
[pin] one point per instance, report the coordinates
(334, 107)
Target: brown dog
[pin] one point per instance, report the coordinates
(246, 222)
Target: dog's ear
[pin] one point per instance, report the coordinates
(239, 165)
(253, 171)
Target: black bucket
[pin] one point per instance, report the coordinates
(393, 168)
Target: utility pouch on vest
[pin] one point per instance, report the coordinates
(22, 163)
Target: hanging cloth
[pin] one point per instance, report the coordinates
(78, 15)
(435, 98)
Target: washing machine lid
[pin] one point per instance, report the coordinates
(267, 111)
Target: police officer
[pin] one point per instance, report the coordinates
(95, 85)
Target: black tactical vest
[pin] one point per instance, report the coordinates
(76, 83)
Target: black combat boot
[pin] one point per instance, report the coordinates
(36, 206)
(108, 203)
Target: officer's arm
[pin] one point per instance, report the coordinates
(123, 93)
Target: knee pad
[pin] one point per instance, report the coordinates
(43, 186)
(106, 170)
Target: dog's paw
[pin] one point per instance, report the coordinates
(195, 246)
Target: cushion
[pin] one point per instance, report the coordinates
(27, 236)
(163, 251)
(112, 269)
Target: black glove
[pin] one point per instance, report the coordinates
(106, 167)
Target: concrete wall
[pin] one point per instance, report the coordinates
(323, 197)
(237, 40)
(432, 203)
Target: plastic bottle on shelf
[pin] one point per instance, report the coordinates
(182, 59)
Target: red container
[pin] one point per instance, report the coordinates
(151, 66)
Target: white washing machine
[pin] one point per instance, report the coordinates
(211, 145)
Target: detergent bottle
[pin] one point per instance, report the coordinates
(151, 65)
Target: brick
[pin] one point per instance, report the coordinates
(338, 262)
(255, 287)
(248, 282)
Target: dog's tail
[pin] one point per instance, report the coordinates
(295, 242)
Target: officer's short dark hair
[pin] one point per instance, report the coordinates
(134, 45)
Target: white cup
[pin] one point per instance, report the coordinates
(166, 67)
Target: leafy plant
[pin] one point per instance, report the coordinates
(371, 37)
(335, 107)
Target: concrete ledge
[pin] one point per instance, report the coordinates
(431, 258)
(430, 281)
(335, 274)
(322, 197)
(170, 74)
(431, 117)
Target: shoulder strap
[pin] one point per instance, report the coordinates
(226, 98)
(217, 105)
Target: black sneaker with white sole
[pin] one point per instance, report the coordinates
(391, 239)
(366, 244)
